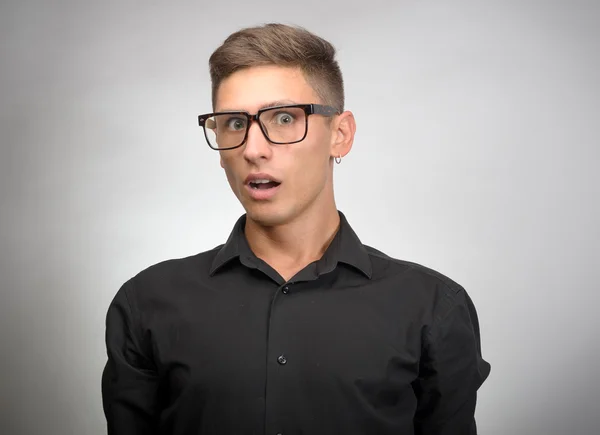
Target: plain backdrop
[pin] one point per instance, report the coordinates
(477, 154)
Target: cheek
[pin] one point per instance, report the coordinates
(230, 173)
(228, 164)
(229, 167)
(312, 166)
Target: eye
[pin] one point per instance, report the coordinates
(283, 118)
(236, 124)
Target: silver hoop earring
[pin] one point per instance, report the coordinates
(338, 159)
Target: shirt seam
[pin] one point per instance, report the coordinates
(452, 290)
(431, 337)
(451, 285)
(135, 327)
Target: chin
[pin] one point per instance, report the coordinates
(267, 216)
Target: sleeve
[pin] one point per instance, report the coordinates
(451, 371)
(129, 379)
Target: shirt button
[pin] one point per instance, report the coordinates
(285, 290)
(281, 359)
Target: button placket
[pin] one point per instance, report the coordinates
(278, 361)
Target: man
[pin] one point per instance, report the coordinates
(292, 326)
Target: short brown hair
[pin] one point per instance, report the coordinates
(281, 45)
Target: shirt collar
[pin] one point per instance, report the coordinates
(345, 247)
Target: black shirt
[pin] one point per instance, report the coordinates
(355, 343)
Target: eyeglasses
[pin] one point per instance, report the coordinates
(280, 125)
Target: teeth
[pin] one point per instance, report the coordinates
(260, 181)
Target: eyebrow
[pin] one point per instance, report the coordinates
(264, 106)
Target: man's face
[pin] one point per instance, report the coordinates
(303, 169)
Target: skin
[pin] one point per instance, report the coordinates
(295, 227)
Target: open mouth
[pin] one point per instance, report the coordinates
(263, 184)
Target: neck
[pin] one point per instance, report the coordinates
(296, 243)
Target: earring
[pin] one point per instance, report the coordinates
(338, 159)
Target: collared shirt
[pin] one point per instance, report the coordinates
(355, 343)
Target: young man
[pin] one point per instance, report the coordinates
(292, 326)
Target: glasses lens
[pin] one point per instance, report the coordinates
(284, 124)
(225, 130)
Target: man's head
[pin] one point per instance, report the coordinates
(283, 46)
(277, 65)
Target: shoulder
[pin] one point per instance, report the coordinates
(197, 263)
(384, 264)
(421, 287)
(162, 278)
(418, 285)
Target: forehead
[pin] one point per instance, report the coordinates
(252, 88)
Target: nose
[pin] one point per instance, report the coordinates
(257, 146)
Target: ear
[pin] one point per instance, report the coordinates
(344, 128)
(221, 160)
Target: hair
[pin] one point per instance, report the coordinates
(285, 46)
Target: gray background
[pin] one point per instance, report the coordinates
(476, 154)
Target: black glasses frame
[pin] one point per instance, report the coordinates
(309, 109)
